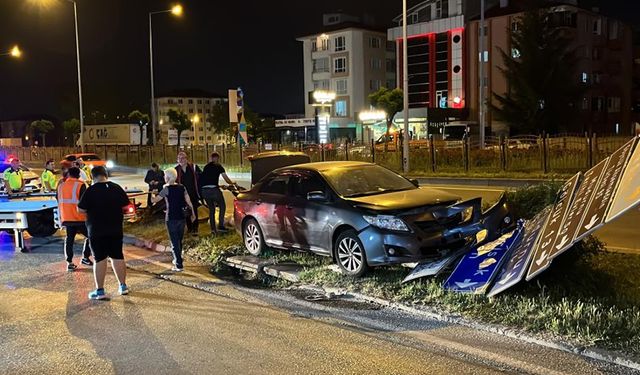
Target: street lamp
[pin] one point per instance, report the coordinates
(405, 89)
(175, 10)
(13, 52)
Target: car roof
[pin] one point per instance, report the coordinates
(325, 165)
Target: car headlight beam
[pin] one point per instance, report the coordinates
(387, 222)
(109, 164)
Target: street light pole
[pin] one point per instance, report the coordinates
(176, 10)
(75, 16)
(405, 90)
(481, 112)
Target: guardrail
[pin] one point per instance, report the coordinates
(521, 154)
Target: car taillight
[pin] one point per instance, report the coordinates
(130, 209)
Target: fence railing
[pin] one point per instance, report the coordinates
(521, 154)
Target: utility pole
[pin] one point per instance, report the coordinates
(481, 99)
(405, 90)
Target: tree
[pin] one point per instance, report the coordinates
(180, 122)
(219, 120)
(42, 127)
(391, 101)
(539, 68)
(71, 128)
(141, 119)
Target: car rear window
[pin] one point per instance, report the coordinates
(277, 185)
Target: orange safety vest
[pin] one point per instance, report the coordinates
(68, 198)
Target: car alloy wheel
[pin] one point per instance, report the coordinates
(253, 237)
(350, 254)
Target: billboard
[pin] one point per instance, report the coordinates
(114, 134)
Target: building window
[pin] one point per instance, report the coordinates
(190, 110)
(515, 26)
(341, 87)
(199, 101)
(340, 65)
(375, 63)
(206, 101)
(341, 108)
(391, 66)
(584, 77)
(613, 105)
(597, 27)
(595, 53)
(585, 103)
(597, 104)
(375, 84)
(442, 9)
(179, 101)
(170, 101)
(596, 77)
(321, 65)
(190, 101)
(340, 43)
(314, 45)
(321, 85)
(613, 29)
(208, 110)
(374, 42)
(515, 53)
(324, 44)
(391, 83)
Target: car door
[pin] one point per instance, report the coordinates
(270, 209)
(308, 221)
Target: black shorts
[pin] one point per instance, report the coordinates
(104, 247)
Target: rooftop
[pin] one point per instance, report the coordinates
(190, 93)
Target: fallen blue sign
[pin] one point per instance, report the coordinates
(477, 269)
(520, 257)
(433, 268)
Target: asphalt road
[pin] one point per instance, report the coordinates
(47, 326)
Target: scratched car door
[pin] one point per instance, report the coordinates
(308, 222)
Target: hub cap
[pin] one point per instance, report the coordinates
(252, 238)
(350, 254)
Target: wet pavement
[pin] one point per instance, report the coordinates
(214, 326)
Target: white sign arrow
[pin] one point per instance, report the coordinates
(542, 258)
(594, 220)
(564, 241)
(465, 284)
(507, 278)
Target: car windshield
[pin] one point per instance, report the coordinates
(90, 157)
(365, 180)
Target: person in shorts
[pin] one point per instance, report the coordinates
(104, 203)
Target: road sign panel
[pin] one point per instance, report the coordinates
(575, 214)
(542, 251)
(599, 205)
(628, 193)
(435, 267)
(516, 266)
(477, 269)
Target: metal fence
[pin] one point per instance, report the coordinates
(523, 154)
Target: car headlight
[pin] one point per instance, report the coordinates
(109, 164)
(387, 222)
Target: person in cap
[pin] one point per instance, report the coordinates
(13, 177)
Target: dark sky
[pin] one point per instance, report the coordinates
(214, 46)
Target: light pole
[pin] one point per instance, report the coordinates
(176, 10)
(405, 89)
(75, 18)
(481, 112)
(14, 52)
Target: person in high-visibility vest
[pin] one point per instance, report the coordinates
(48, 178)
(69, 193)
(13, 178)
(85, 171)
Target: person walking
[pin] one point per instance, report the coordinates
(104, 203)
(211, 192)
(188, 175)
(13, 177)
(155, 179)
(69, 193)
(176, 198)
(48, 178)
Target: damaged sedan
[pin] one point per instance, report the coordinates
(361, 215)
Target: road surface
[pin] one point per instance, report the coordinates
(47, 326)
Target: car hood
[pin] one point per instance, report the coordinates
(401, 200)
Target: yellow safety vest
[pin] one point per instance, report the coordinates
(48, 176)
(14, 178)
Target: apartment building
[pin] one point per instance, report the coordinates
(603, 46)
(352, 59)
(198, 105)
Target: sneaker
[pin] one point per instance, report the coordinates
(98, 294)
(86, 262)
(71, 267)
(177, 269)
(123, 289)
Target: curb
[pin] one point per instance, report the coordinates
(432, 313)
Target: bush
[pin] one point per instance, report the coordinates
(526, 202)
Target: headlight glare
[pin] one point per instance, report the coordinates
(109, 164)
(387, 222)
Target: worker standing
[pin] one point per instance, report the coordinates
(13, 178)
(69, 193)
(85, 171)
(48, 178)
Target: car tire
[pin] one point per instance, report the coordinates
(350, 254)
(252, 237)
(41, 223)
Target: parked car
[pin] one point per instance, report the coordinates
(32, 181)
(92, 160)
(360, 214)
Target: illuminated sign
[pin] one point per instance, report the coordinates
(323, 127)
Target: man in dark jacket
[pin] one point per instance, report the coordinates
(211, 191)
(155, 180)
(188, 175)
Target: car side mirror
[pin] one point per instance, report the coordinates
(316, 196)
(415, 182)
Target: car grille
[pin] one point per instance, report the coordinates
(437, 225)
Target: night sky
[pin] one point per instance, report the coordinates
(214, 46)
